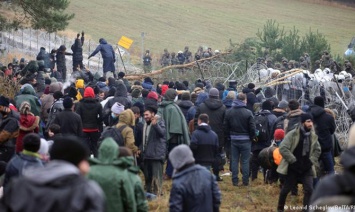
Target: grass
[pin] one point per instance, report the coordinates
(256, 197)
(175, 24)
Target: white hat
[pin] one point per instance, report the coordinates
(117, 108)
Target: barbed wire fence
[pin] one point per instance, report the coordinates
(29, 42)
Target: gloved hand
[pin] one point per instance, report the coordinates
(295, 167)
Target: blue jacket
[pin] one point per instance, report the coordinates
(204, 145)
(105, 49)
(18, 164)
(194, 189)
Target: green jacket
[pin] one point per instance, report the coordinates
(289, 144)
(175, 122)
(28, 93)
(127, 163)
(113, 179)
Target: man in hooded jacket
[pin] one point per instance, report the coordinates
(108, 56)
(28, 94)
(77, 49)
(112, 178)
(175, 125)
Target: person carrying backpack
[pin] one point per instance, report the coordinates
(264, 122)
(56, 107)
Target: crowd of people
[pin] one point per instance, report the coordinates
(108, 129)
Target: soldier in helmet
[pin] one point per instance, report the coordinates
(316, 66)
(147, 65)
(269, 62)
(187, 55)
(349, 68)
(199, 53)
(165, 59)
(174, 59)
(285, 63)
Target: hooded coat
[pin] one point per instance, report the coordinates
(175, 123)
(185, 106)
(127, 118)
(112, 178)
(90, 111)
(133, 173)
(61, 62)
(47, 100)
(108, 55)
(57, 182)
(324, 126)
(45, 56)
(120, 96)
(216, 110)
(251, 98)
(28, 94)
(28, 124)
(77, 49)
(9, 129)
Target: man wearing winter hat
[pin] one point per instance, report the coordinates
(69, 121)
(251, 97)
(325, 128)
(175, 124)
(300, 151)
(116, 110)
(215, 109)
(28, 158)
(61, 180)
(9, 130)
(90, 111)
(189, 181)
(232, 86)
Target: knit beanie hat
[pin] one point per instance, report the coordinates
(121, 74)
(181, 156)
(4, 101)
(117, 108)
(251, 85)
(136, 93)
(47, 81)
(318, 100)
(57, 95)
(164, 88)
(170, 94)
(31, 142)
(213, 92)
(283, 104)
(89, 92)
(279, 134)
(305, 117)
(266, 105)
(145, 93)
(67, 103)
(185, 96)
(152, 95)
(70, 149)
(25, 108)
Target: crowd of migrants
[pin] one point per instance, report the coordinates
(49, 130)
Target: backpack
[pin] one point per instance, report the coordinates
(262, 126)
(114, 133)
(56, 108)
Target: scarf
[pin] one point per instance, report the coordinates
(306, 141)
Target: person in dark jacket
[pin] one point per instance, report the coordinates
(45, 56)
(185, 104)
(69, 121)
(154, 150)
(148, 84)
(293, 117)
(9, 130)
(77, 49)
(52, 59)
(325, 128)
(189, 182)
(338, 188)
(26, 159)
(121, 76)
(281, 109)
(215, 109)
(204, 143)
(201, 97)
(61, 181)
(256, 147)
(251, 97)
(90, 111)
(108, 56)
(239, 126)
(232, 86)
(60, 59)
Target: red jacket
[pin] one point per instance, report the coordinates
(28, 124)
